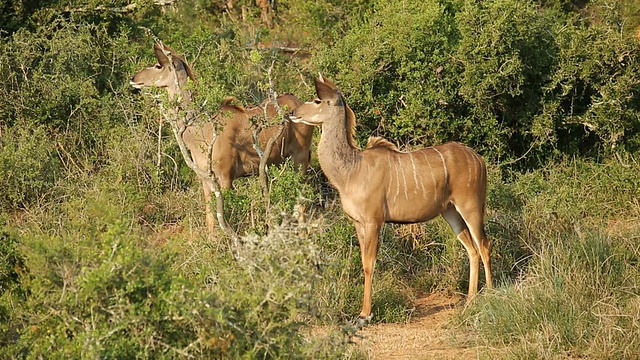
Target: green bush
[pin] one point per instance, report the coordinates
(129, 303)
(12, 270)
(504, 62)
(378, 63)
(589, 96)
(124, 298)
(29, 166)
(520, 87)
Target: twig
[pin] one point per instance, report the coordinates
(262, 168)
(159, 149)
(284, 49)
(518, 159)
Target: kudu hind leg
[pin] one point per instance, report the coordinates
(474, 219)
(459, 227)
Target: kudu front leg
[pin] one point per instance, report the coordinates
(368, 235)
(210, 219)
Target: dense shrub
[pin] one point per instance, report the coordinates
(592, 93)
(107, 293)
(521, 85)
(12, 269)
(29, 166)
(58, 107)
(390, 64)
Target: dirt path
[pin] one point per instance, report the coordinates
(429, 335)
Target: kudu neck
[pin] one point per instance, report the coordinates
(337, 155)
(180, 100)
(302, 129)
(178, 95)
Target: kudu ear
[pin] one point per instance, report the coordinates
(327, 82)
(178, 59)
(324, 91)
(179, 64)
(163, 59)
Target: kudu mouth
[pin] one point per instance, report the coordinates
(294, 118)
(136, 85)
(299, 120)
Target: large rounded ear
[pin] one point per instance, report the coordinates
(327, 82)
(190, 72)
(324, 91)
(177, 58)
(163, 60)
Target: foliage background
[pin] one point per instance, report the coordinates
(103, 248)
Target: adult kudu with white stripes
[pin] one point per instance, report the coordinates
(233, 154)
(382, 184)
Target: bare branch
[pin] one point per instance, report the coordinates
(262, 168)
(120, 10)
(282, 49)
(208, 175)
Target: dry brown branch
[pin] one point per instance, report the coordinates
(262, 169)
(264, 155)
(120, 10)
(172, 119)
(177, 132)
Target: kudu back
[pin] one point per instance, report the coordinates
(233, 154)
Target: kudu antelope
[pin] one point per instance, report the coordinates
(382, 184)
(233, 154)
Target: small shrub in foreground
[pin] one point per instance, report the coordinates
(130, 300)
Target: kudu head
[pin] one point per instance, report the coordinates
(324, 108)
(170, 72)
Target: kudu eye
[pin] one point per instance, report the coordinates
(158, 66)
(317, 101)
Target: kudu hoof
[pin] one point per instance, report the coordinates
(362, 321)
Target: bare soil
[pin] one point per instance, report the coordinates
(430, 334)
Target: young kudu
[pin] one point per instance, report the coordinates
(382, 184)
(233, 154)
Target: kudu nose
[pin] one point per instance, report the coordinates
(134, 84)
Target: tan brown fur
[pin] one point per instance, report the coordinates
(229, 104)
(381, 184)
(376, 141)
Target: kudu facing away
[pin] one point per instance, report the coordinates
(232, 154)
(382, 184)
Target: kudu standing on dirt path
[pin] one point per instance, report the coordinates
(382, 184)
(233, 154)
